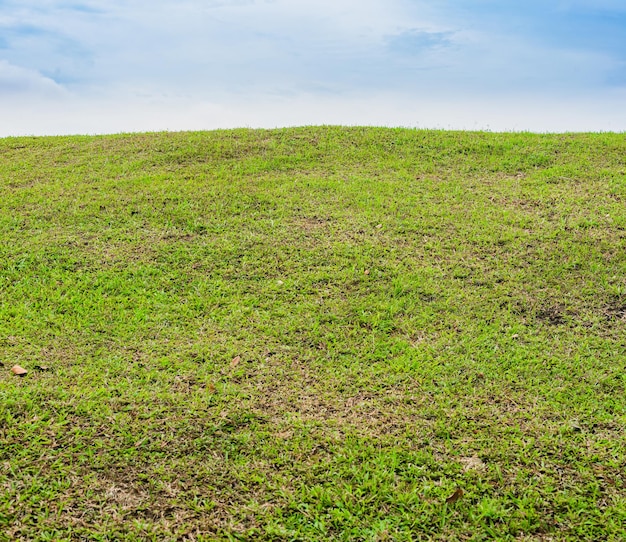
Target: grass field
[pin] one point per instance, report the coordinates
(313, 334)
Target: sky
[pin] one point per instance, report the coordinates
(110, 66)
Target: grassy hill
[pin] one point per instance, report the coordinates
(313, 334)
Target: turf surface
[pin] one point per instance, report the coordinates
(319, 333)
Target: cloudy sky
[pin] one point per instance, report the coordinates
(102, 66)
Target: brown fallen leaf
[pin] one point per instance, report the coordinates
(235, 361)
(458, 493)
(19, 371)
(211, 387)
(367, 271)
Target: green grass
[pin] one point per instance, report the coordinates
(414, 311)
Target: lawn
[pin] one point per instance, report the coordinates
(316, 333)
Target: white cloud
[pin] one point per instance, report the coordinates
(211, 48)
(22, 84)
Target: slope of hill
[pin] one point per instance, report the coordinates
(318, 333)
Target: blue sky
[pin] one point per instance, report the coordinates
(100, 66)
